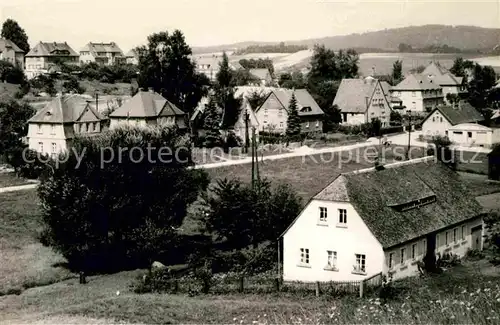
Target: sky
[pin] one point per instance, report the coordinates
(215, 22)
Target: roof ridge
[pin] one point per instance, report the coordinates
(392, 165)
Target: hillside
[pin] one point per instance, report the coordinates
(463, 37)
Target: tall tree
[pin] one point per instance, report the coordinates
(483, 79)
(460, 67)
(225, 94)
(328, 65)
(13, 32)
(13, 126)
(212, 123)
(166, 66)
(293, 122)
(397, 72)
(113, 212)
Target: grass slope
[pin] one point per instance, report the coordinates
(25, 262)
(466, 294)
(11, 179)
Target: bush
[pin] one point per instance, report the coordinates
(115, 214)
(391, 129)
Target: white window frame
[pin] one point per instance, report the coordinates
(455, 235)
(402, 256)
(331, 260)
(390, 262)
(282, 125)
(447, 238)
(464, 232)
(40, 146)
(39, 130)
(52, 129)
(305, 257)
(342, 216)
(360, 264)
(323, 214)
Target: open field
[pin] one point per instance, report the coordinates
(10, 179)
(25, 262)
(465, 294)
(381, 62)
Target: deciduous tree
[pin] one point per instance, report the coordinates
(13, 32)
(166, 66)
(111, 210)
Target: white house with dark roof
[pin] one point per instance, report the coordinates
(272, 115)
(449, 83)
(382, 220)
(460, 123)
(132, 57)
(10, 52)
(148, 108)
(361, 100)
(418, 93)
(102, 53)
(209, 65)
(52, 128)
(44, 56)
(263, 76)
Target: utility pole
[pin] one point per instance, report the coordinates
(256, 156)
(409, 134)
(247, 136)
(253, 167)
(97, 102)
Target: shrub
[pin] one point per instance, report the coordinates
(109, 212)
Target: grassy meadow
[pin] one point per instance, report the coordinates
(466, 294)
(11, 179)
(25, 262)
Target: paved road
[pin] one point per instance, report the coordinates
(18, 188)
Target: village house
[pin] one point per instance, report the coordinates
(272, 115)
(10, 52)
(53, 128)
(361, 100)
(44, 57)
(210, 65)
(418, 93)
(102, 53)
(263, 76)
(449, 83)
(382, 220)
(148, 108)
(458, 122)
(132, 57)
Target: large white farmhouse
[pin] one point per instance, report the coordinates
(382, 220)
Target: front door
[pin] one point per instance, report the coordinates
(477, 240)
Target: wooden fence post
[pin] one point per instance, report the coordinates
(361, 288)
(317, 289)
(242, 284)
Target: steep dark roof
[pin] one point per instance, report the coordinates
(352, 94)
(147, 104)
(65, 109)
(5, 43)
(379, 195)
(303, 97)
(52, 49)
(463, 112)
(416, 82)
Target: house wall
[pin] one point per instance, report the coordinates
(117, 121)
(471, 138)
(413, 100)
(9, 55)
(311, 124)
(309, 232)
(272, 116)
(458, 246)
(379, 107)
(47, 136)
(353, 118)
(436, 124)
(132, 60)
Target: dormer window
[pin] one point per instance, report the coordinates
(306, 109)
